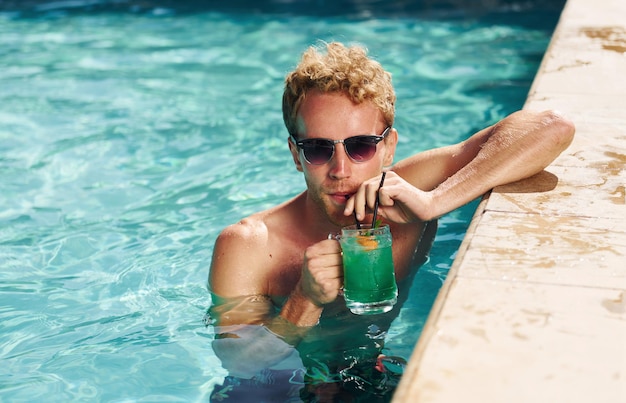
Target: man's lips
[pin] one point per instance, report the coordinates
(341, 197)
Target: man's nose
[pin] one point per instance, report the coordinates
(340, 163)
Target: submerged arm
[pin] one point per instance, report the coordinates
(249, 337)
(242, 276)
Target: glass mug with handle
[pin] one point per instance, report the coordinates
(369, 282)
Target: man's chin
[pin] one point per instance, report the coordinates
(342, 221)
(334, 214)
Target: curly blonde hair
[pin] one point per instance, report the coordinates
(341, 69)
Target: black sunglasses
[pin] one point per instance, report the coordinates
(359, 148)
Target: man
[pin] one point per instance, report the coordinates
(284, 256)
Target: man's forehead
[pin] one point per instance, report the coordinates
(335, 111)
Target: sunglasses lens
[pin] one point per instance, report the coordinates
(318, 152)
(361, 148)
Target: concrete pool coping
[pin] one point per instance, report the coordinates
(534, 306)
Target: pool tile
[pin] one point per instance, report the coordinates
(595, 145)
(535, 248)
(599, 13)
(505, 341)
(592, 114)
(595, 190)
(584, 60)
(580, 70)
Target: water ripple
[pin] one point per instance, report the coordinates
(130, 139)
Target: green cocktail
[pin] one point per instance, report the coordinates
(369, 281)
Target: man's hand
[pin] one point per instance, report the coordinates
(399, 201)
(321, 280)
(322, 274)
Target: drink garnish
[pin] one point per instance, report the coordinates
(368, 243)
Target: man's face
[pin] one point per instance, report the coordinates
(333, 116)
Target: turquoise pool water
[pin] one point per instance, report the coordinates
(132, 133)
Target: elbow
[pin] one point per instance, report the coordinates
(561, 130)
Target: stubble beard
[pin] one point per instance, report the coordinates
(330, 211)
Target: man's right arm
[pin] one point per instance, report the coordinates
(241, 311)
(237, 266)
(249, 331)
(242, 266)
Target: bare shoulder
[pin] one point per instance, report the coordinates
(259, 255)
(238, 258)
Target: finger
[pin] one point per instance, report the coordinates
(372, 192)
(359, 203)
(385, 197)
(324, 258)
(325, 246)
(349, 208)
(373, 186)
(330, 247)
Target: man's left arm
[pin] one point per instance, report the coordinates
(517, 147)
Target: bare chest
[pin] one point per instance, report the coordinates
(286, 259)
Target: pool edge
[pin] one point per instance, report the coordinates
(534, 306)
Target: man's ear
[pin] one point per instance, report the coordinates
(390, 147)
(295, 153)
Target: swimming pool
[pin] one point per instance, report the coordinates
(133, 132)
